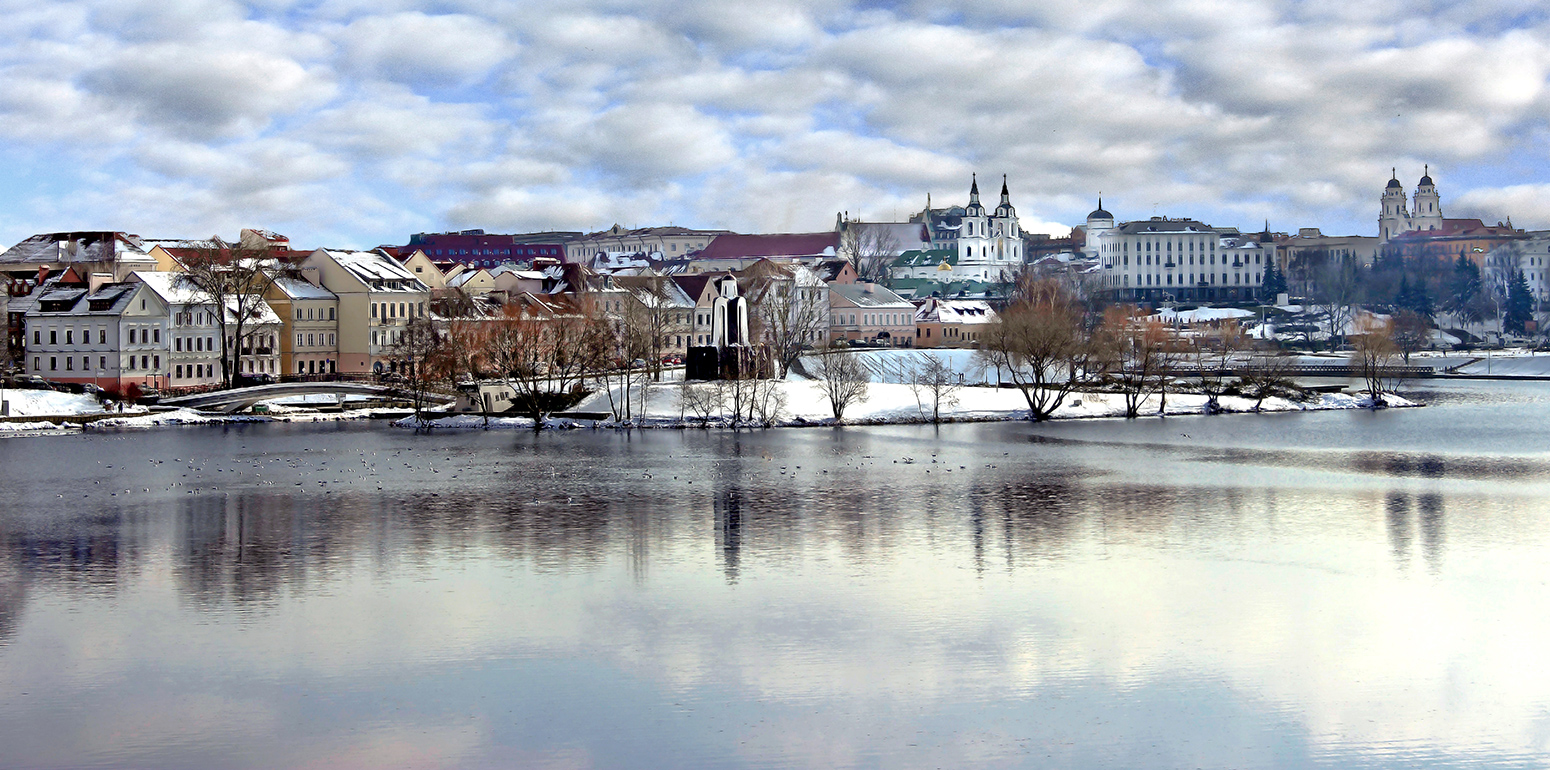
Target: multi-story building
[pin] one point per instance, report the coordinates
(194, 331)
(952, 323)
(111, 335)
(988, 245)
(670, 242)
(867, 311)
(480, 249)
(1161, 259)
(309, 318)
(377, 298)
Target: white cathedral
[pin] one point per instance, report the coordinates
(984, 245)
(1397, 218)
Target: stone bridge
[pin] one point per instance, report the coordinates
(238, 399)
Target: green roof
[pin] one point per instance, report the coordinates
(926, 258)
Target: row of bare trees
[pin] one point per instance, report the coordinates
(1047, 345)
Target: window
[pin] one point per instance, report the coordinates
(37, 339)
(178, 371)
(155, 362)
(36, 364)
(373, 310)
(102, 362)
(53, 337)
(69, 336)
(330, 314)
(102, 336)
(156, 335)
(309, 340)
(298, 339)
(69, 364)
(330, 339)
(53, 365)
(145, 362)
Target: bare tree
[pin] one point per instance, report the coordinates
(933, 377)
(789, 309)
(870, 249)
(543, 354)
(417, 347)
(1265, 374)
(1212, 350)
(1040, 341)
(1372, 355)
(1140, 349)
(1411, 332)
(653, 315)
(230, 278)
(1338, 293)
(703, 400)
(844, 380)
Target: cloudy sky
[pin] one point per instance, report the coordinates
(356, 123)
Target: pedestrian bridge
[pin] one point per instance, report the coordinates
(238, 399)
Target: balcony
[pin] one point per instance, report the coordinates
(1168, 265)
(1237, 263)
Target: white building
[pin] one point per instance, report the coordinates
(111, 336)
(988, 245)
(194, 332)
(1161, 259)
(1396, 218)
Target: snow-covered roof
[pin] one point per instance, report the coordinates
(957, 311)
(377, 271)
(262, 313)
(300, 288)
(868, 295)
(170, 288)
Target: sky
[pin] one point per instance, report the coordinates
(348, 123)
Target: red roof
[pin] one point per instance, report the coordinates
(736, 246)
(1455, 228)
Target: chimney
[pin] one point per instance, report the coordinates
(97, 280)
(313, 276)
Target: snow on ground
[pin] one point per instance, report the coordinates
(1202, 314)
(886, 403)
(49, 403)
(159, 419)
(1520, 364)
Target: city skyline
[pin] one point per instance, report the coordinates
(345, 124)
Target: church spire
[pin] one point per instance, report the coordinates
(974, 190)
(1006, 197)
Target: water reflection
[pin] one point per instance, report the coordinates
(889, 596)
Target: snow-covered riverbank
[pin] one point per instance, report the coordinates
(806, 405)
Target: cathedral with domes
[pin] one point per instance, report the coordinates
(1398, 218)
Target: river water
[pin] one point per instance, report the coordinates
(1338, 589)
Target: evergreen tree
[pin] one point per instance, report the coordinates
(1420, 301)
(1402, 298)
(1274, 281)
(1463, 286)
(1520, 304)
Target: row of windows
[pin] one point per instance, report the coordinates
(531, 251)
(874, 319)
(195, 344)
(311, 341)
(390, 310)
(1190, 259)
(309, 314)
(136, 335)
(315, 366)
(1151, 279)
(146, 362)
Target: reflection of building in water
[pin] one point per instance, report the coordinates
(1398, 510)
(729, 530)
(1431, 516)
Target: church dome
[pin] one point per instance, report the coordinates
(1395, 185)
(1099, 213)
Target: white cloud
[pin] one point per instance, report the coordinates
(776, 114)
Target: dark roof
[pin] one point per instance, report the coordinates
(693, 285)
(736, 246)
(1161, 225)
(1394, 184)
(1099, 213)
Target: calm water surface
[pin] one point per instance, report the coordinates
(1307, 590)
